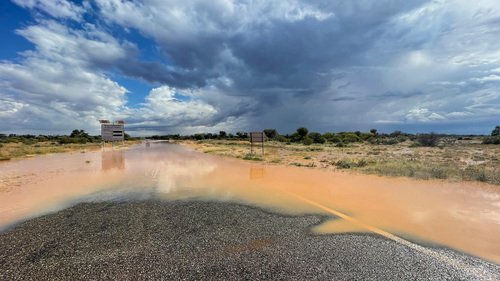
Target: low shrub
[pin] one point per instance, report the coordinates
(340, 144)
(10, 140)
(66, 140)
(428, 139)
(29, 142)
(384, 141)
(415, 144)
(310, 165)
(252, 157)
(283, 139)
(308, 141)
(336, 140)
(491, 140)
(345, 164)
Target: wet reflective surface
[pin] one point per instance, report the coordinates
(463, 216)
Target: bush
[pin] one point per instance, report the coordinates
(295, 137)
(199, 136)
(366, 136)
(401, 138)
(252, 157)
(385, 141)
(415, 144)
(496, 132)
(491, 140)
(428, 139)
(345, 164)
(302, 131)
(308, 141)
(272, 134)
(340, 144)
(29, 142)
(350, 137)
(282, 139)
(65, 140)
(1, 145)
(329, 136)
(10, 140)
(317, 137)
(336, 140)
(395, 134)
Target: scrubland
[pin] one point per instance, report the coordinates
(461, 161)
(13, 150)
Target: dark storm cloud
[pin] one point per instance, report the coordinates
(158, 73)
(277, 64)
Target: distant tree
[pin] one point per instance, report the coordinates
(282, 139)
(357, 133)
(496, 132)
(366, 136)
(350, 137)
(222, 134)
(272, 134)
(307, 141)
(230, 135)
(428, 139)
(295, 137)
(66, 139)
(302, 131)
(81, 136)
(329, 136)
(199, 137)
(492, 140)
(374, 132)
(395, 134)
(317, 137)
(242, 135)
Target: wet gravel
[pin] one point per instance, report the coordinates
(153, 240)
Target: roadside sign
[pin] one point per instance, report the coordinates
(259, 137)
(112, 132)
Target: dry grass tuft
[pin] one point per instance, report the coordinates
(453, 162)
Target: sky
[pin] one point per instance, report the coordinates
(188, 66)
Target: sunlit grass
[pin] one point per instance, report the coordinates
(452, 162)
(17, 150)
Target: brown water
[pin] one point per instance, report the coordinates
(463, 216)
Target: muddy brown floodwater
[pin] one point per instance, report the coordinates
(462, 216)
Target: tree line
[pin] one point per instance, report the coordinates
(301, 135)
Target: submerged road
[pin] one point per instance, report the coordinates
(166, 212)
(208, 241)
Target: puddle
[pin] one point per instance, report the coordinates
(463, 216)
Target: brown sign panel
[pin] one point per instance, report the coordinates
(257, 137)
(121, 122)
(104, 121)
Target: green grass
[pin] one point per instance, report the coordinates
(310, 165)
(252, 157)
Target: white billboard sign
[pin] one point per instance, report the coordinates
(112, 132)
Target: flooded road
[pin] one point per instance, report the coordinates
(462, 216)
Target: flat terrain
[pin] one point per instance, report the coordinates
(208, 241)
(22, 150)
(462, 161)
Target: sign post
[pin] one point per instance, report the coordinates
(112, 132)
(257, 137)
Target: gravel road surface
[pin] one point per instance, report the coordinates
(156, 240)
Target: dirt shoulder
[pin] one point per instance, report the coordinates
(452, 162)
(20, 150)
